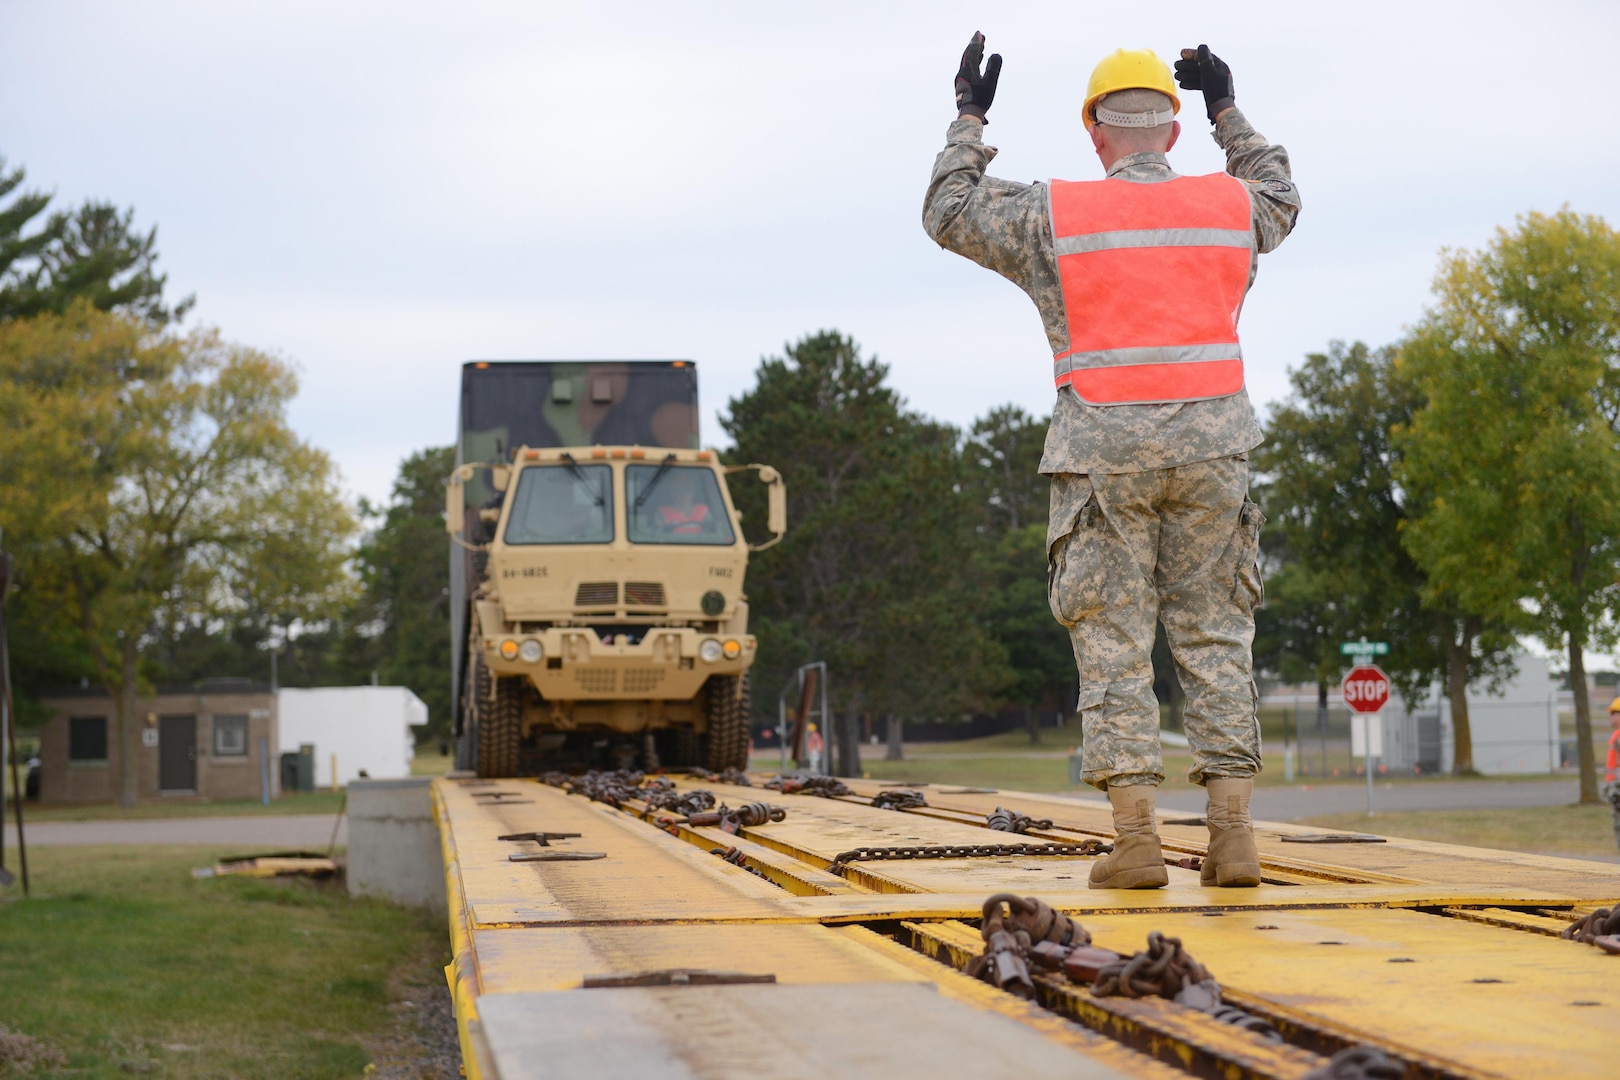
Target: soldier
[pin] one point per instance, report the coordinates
(1611, 770)
(1139, 278)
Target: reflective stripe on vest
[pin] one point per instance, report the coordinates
(1153, 277)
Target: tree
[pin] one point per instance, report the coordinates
(1002, 459)
(405, 579)
(875, 576)
(1519, 365)
(17, 245)
(1338, 516)
(94, 253)
(151, 477)
(1003, 456)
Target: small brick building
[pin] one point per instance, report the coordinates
(208, 740)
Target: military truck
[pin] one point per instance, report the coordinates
(597, 568)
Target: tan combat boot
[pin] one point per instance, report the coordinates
(1137, 861)
(1232, 859)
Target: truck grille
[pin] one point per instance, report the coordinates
(644, 594)
(642, 680)
(597, 594)
(597, 681)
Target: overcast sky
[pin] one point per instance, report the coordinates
(381, 191)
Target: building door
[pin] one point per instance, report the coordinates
(177, 753)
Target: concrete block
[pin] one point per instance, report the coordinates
(393, 845)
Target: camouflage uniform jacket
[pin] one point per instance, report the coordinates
(1007, 227)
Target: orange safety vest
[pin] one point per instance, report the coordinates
(1614, 755)
(1153, 278)
(690, 521)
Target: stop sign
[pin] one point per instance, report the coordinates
(1366, 689)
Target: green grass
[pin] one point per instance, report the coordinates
(1273, 725)
(126, 964)
(302, 802)
(429, 762)
(1543, 830)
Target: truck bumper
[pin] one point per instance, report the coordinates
(578, 665)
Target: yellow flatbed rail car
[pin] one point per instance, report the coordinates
(590, 941)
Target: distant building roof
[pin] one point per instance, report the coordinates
(225, 685)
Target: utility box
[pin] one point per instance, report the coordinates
(298, 769)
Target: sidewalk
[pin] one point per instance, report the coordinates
(248, 833)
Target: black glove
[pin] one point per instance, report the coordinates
(1203, 70)
(975, 92)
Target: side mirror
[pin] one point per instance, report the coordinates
(455, 500)
(776, 510)
(500, 476)
(455, 505)
(776, 504)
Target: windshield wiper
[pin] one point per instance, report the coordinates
(657, 476)
(575, 471)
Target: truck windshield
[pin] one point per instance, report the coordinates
(562, 504)
(676, 504)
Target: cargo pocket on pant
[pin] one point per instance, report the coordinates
(1089, 697)
(1074, 557)
(1247, 587)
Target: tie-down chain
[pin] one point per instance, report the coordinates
(1601, 928)
(1021, 931)
(730, 775)
(1002, 819)
(899, 799)
(826, 787)
(966, 851)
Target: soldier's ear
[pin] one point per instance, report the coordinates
(1095, 131)
(1175, 133)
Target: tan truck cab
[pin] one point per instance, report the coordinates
(611, 614)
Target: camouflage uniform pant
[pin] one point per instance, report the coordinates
(1175, 545)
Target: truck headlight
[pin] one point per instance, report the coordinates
(509, 649)
(732, 649)
(709, 651)
(531, 651)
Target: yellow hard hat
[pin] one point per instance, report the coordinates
(1614, 706)
(1129, 69)
(812, 727)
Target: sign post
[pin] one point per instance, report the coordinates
(1366, 691)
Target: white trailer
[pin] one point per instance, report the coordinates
(362, 727)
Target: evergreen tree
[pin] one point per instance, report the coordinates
(402, 622)
(876, 574)
(94, 253)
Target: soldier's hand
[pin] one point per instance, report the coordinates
(1202, 70)
(975, 92)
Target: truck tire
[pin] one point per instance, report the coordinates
(729, 709)
(499, 733)
(681, 747)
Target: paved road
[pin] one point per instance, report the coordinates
(247, 833)
(1309, 800)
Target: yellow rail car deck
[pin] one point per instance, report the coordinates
(632, 950)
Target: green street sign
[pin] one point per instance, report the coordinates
(1364, 648)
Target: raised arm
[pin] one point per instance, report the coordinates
(1249, 157)
(996, 223)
